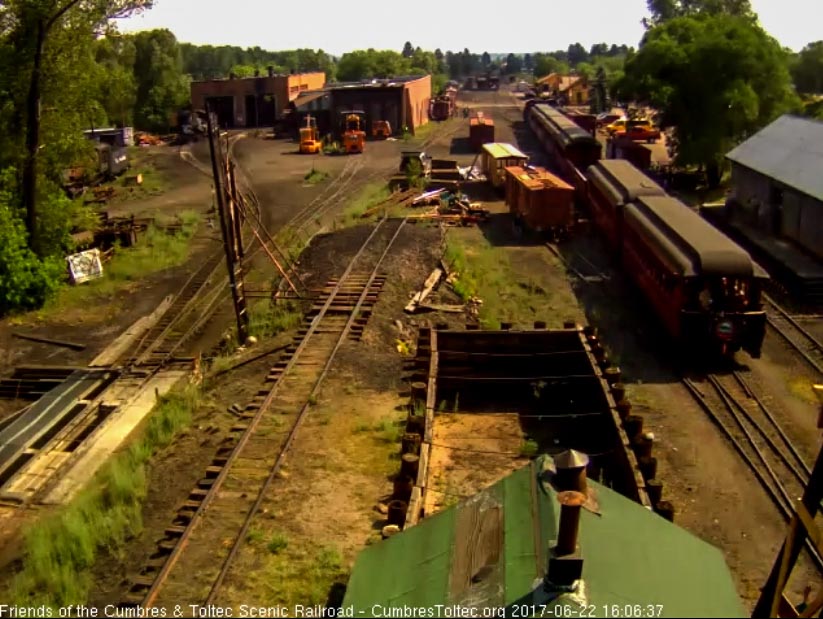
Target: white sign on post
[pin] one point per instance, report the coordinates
(85, 266)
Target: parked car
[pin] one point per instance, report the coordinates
(642, 132)
(605, 119)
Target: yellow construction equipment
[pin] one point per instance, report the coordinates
(381, 129)
(309, 144)
(354, 138)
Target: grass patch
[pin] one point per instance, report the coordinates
(486, 272)
(802, 389)
(314, 176)
(60, 548)
(267, 320)
(300, 574)
(277, 543)
(155, 181)
(372, 195)
(155, 251)
(388, 431)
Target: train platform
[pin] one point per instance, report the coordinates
(799, 273)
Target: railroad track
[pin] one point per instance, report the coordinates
(243, 473)
(758, 438)
(798, 337)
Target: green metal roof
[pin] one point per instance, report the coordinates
(491, 550)
(500, 150)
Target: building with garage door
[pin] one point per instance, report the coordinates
(402, 101)
(777, 181)
(253, 101)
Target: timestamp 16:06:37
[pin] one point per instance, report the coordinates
(573, 611)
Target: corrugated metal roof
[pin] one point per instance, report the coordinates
(789, 150)
(500, 150)
(490, 551)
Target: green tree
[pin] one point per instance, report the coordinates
(807, 69)
(32, 24)
(162, 88)
(408, 50)
(25, 280)
(599, 98)
(514, 64)
(599, 49)
(486, 59)
(545, 65)
(115, 56)
(715, 79)
(664, 10)
(528, 64)
(577, 53)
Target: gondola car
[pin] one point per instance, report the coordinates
(613, 183)
(703, 286)
(571, 148)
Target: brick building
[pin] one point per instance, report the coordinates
(253, 101)
(403, 101)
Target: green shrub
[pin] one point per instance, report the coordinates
(25, 280)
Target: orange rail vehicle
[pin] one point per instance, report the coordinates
(354, 138)
(481, 131)
(540, 200)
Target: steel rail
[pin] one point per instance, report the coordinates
(776, 490)
(302, 414)
(171, 560)
(816, 344)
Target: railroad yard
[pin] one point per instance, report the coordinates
(294, 458)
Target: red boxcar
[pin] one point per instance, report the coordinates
(541, 200)
(481, 131)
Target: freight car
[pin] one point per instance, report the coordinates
(481, 131)
(496, 158)
(613, 183)
(570, 147)
(704, 288)
(540, 200)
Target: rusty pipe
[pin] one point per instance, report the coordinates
(570, 504)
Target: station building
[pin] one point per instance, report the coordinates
(253, 101)
(402, 101)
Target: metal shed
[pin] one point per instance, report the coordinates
(492, 551)
(777, 181)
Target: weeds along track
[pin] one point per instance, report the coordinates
(243, 474)
(758, 438)
(799, 338)
(331, 194)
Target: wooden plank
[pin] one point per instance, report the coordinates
(431, 281)
(478, 547)
(423, 465)
(413, 512)
(125, 341)
(45, 340)
(431, 394)
(450, 309)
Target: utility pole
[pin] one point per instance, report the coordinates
(230, 232)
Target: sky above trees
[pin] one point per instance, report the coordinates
(517, 27)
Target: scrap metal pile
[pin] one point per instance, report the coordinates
(449, 207)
